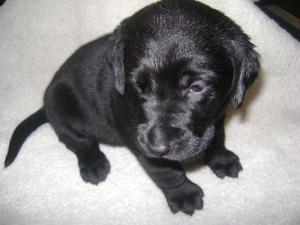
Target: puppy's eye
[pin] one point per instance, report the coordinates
(196, 88)
(143, 85)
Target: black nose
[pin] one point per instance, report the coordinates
(155, 141)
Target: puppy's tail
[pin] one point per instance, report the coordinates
(22, 131)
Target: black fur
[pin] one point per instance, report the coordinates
(23, 130)
(159, 84)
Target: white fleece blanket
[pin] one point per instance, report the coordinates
(43, 186)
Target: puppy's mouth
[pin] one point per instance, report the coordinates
(182, 149)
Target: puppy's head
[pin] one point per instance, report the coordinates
(179, 64)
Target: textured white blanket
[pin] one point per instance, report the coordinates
(43, 186)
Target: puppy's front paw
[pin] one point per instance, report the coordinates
(186, 198)
(94, 172)
(225, 163)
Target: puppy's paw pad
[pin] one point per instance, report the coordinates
(187, 198)
(227, 164)
(94, 172)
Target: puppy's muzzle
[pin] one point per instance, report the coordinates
(152, 139)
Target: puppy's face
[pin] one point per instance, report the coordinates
(181, 70)
(180, 87)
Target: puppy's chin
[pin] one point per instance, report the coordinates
(183, 158)
(185, 149)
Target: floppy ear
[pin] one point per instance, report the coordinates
(246, 67)
(115, 58)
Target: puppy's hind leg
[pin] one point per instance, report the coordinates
(70, 124)
(93, 164)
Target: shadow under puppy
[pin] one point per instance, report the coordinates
(159, 84)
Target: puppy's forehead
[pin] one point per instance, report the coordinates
(181, 33)
(176, 53)
(168, 49)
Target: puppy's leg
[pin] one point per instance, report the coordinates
(181, 194)
(72, 123)
(220, 160)
(93, 164)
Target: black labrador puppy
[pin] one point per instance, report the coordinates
(159, 84)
